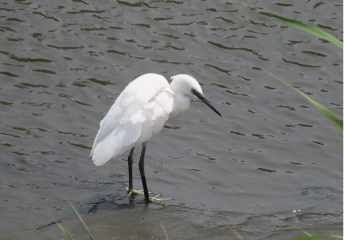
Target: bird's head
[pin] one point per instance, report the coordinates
(187, 85)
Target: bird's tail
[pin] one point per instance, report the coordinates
(93, 147)
(106, 149)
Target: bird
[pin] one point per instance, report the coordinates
(139, 113)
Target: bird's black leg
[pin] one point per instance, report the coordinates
(131, 191)
(130, 167)
(142, 172)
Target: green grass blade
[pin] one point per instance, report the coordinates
(338, 136)
(88, 231)
(313, 30)
(236, 233)
(308, 234)
(316, 236)
(70, 237)
(326, 112)
(164, 232)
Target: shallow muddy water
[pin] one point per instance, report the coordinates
(272, 162)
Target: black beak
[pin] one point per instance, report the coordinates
(203, 99)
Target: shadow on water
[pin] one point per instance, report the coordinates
(114, 216)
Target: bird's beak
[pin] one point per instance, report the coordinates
(203, 99)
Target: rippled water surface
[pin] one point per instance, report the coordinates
(271, 162)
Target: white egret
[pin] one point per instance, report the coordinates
(139, 113)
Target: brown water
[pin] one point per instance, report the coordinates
(271, 162)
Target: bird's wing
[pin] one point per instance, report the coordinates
(134, 118)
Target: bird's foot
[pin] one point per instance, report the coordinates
(157, 200)
(133, 192)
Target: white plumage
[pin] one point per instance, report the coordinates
(141, 111)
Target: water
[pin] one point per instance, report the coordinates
(270, 163)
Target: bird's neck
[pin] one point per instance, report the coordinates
(181, 104)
